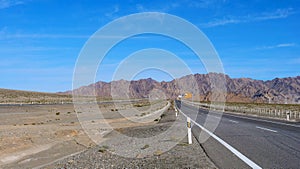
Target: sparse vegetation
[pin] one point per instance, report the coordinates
(183, 144)
(142, 104)
(145, 147)
(158, 153)
(103, 149)
(144, 114)
(138, 105)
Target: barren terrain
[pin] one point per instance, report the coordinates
(35, 135)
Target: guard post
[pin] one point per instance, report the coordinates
(189, 130)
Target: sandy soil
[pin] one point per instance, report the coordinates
(36, 135)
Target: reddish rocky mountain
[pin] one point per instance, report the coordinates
(279, 90)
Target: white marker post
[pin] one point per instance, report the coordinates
(176, 112)
(189, 130)
(288, 116)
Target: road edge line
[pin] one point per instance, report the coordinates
(229, 147)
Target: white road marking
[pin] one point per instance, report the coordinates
(229, 147)
(233, 121)
(262, 128)
(274, 122)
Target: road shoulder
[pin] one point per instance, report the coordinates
(181, 156)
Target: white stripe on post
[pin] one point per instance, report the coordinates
(189, 130)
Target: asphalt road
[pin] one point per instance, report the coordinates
(267, 143)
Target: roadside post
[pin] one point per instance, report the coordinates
(288, 115)
(189, 130)
(175, 108)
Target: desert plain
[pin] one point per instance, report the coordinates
(35, 135)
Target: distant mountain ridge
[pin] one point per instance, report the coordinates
(278, 90)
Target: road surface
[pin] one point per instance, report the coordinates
(267, 143)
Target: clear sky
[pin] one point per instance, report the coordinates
(40, 39)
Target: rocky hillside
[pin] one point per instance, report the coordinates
(279, 90)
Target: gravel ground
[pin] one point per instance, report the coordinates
(180, 156)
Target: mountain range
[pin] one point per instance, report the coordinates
(278, 90)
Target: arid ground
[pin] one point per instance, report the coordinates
(35, 135)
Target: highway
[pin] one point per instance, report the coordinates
(266, 143)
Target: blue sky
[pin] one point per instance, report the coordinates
(40, 39)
